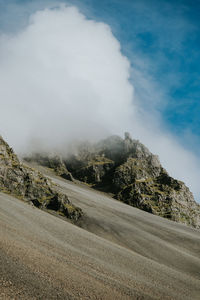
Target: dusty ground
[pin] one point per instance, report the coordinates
(121, 252)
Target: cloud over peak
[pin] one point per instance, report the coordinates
(63, 77)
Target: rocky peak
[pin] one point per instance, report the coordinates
(128, 170)
(30, 185)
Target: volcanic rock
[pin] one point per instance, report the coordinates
(30, 185)
(127, 169)
(132, 174)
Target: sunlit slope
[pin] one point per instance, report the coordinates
(130, 254)
(164, 241)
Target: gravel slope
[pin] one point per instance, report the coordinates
(121, 252)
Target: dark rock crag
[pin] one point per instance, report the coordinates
(127, 169)
(131, 173)
(30, 185)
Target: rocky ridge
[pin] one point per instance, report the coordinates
(30, 185)
(128, 170)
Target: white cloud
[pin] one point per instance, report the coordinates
(64, 77)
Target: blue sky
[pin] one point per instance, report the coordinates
(161, 40)
(165, 36)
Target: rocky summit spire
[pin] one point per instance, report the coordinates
(127, 136)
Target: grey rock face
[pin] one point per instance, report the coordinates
(51, 161)
(128, 170)
(135, 176)
(29, 184)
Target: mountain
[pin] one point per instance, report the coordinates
(30, 185)
(116, 252)
(128, 170)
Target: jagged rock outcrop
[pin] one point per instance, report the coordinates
(114, 162)
(126, 168)
(29, 184)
